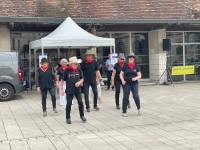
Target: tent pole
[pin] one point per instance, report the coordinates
(58, 52)
(110, 46)
(35, 63)
(42, 51)
(114, 49)
(29, 69)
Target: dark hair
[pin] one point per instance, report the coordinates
(59, 58)
(134, 58)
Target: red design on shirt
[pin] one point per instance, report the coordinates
(121, 64)
(72, 69)
(89, 61)
(131, 66)
(44, 68)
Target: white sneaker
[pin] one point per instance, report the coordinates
(139, 112)
(124, 115)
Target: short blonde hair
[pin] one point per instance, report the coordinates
(63, 60)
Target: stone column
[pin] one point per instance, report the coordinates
(94, 50)
(157, 57)
(4, 38)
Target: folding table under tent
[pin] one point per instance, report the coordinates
(68, 35)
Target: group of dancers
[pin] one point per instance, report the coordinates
(76, 76)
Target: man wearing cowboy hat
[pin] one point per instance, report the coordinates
(74, 78)
(91, 74)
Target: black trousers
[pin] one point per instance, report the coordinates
(44, 97)
(69, 104)
(109, 74)
(134, 90)
(86, 93)
(118, 85)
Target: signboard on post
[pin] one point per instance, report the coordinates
(40, 58)
(181, 70)
(113, 59)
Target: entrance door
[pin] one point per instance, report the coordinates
(141, 50)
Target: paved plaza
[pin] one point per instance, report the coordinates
(170, 121)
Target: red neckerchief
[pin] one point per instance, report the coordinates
(89, 61)
(64, 67)
(131, 66)
(121, 64)
(44, 68)
(72, 69)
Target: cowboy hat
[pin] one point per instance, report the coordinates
(121, 55)
(131, 55)
(89, 52)
(74, 60)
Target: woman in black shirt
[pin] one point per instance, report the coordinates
(60, 72)
(115, 80)
(73, 77)
(45, 82)
(129, 76)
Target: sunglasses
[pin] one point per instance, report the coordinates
(122, 59)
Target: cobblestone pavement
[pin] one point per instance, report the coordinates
(170, 121)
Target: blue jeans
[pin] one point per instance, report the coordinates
(109, 74)
(134, 90)
(44, 97)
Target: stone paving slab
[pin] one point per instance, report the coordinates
(170, 121)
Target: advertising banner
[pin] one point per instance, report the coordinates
(181, 70)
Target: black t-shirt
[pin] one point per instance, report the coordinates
(89, 71)
(60, 73)
(118, 70)
(71, 78)
(129, 74)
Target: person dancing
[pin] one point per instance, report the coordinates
(63, 67)
(129, 76)
(90, 73)
(98, 86)
(45, 82)
(73, 77)
(115, 79)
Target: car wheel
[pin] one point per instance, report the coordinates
(6, 92)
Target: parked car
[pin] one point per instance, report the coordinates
(11, 81)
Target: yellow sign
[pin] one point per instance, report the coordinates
(181, 70)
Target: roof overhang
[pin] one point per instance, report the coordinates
(97, 20)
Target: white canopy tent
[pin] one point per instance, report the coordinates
(68, 35)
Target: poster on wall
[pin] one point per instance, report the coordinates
(40, 58)
(113, 58)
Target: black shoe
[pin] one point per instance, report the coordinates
(88, 110)
(117, 107)
(129, 106)
(96, 108)
(83, 118)
(69, 121)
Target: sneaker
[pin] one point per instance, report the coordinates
(139, 112)
(83, 118)
(88, 110)
(96, 108)
(117, 107)
(69, 121)
(44, 114)
(55, 110)
(124, 115)
(129, 106)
